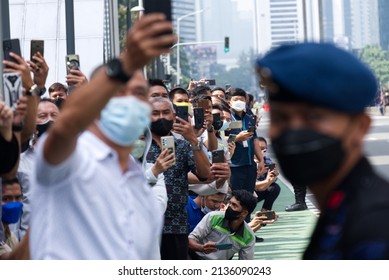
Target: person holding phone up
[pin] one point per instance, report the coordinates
(243, 167)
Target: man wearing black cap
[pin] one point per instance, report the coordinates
(317, 95)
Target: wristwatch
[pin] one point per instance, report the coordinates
(211, 130)
(198, 147)
(35, 91)
(114, 70)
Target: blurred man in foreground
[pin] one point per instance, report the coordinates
(317, 136)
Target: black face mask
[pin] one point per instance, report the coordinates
(161, 127)
(306, 156)
(42, 128)
(231, 215)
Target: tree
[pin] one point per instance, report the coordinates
(377, 59)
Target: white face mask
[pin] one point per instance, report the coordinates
(124, 119)
(238, 105)
(138, 148)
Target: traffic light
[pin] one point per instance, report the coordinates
(226, 44)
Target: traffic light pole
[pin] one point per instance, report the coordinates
(70, 37)
(5, 33)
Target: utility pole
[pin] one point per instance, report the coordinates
(5, 33)
(70, 38)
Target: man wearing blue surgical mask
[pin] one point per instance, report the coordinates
(12, 205)
(90, 199)
(200, 206)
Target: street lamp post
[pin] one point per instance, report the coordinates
(178, 67)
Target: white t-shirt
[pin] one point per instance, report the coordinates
(87, 208)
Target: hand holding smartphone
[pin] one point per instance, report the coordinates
(223, 246)
(270, 215)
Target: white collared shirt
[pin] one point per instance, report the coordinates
(87, 208)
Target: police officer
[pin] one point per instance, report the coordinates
(317, 95)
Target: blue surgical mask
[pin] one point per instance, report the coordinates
(124, 119)
(11, 212)
(138, 148)
(225, 125)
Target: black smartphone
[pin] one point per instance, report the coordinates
(11, 45)
(211, 82)
(182, 112)
(270, 215)
(218, 156)
(36, 46)
(198, 114)
(231, 138)
(271, 166)
(72, 62)
(159, 6)
(251, 129)
(217, 123)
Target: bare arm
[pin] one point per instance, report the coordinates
(201, 160)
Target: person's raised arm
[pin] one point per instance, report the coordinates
(144, 43)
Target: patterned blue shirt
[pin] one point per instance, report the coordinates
(176, 181)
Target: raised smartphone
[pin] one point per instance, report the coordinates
(198, 113)
(167, 142)
(72, 62)
(12, 89)
(11, 45)
(182, 112)
(231, 138)
(218, 156)
(36, 46)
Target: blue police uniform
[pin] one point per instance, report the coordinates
(352, 224)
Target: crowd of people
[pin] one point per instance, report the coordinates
(121, 168)
(76, 174)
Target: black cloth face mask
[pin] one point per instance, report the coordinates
(307, 156)
(161, 127)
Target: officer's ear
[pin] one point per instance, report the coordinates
(362, 122)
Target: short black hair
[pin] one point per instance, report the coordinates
(201, 90)
(260, 138)
(178, 90)
(201, 97)
(157, 82)
(238, 92)
(246, 199)
(219, 88)
(12, 181)
(251, 97)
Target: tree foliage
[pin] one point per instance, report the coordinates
(377, 59)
